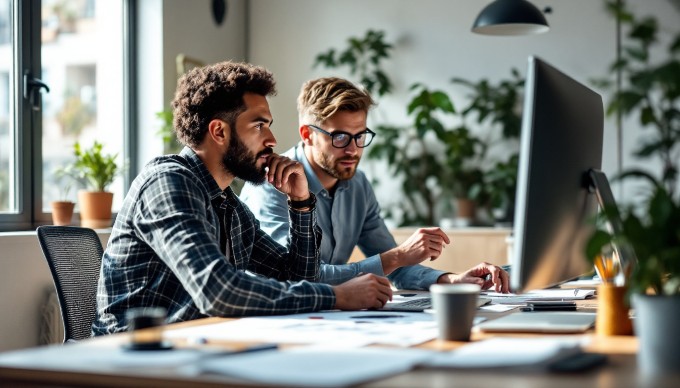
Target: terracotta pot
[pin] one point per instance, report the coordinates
(95, 208)
(62, 212)
(466, 211)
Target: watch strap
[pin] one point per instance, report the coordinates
(307, 203)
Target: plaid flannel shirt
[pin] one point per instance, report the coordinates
(164, 251)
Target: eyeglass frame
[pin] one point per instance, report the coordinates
(355, 137)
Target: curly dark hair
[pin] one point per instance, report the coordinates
(215, 91)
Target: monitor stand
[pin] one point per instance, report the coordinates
(599, 184)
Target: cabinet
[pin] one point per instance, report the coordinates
(469, 246)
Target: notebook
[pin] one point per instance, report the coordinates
(541, 322)
(421, 302)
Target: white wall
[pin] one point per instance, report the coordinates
(433, 43)
(24, 281)
(169, 28)
(24, 277)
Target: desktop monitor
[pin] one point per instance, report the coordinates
(561, 142)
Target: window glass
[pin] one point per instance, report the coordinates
(82, 62)
(7, 187)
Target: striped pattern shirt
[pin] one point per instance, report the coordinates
(164, 251)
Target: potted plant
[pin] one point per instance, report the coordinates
(497, 111)
(416, 153)
(98, 170)
(463, 174)
(652, 229)
(500, 185)
(62, 209)
(653, 232)
(363, 56)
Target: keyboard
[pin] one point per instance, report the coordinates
(421, 304)
(416, 304)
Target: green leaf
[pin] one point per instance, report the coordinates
(96, 168)
(442, 101)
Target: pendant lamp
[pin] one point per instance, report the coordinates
(510, 17)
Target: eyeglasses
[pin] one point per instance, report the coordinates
(341, 139)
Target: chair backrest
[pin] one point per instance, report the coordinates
(74, 256)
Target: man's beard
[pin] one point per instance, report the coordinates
(241, 163)
(342, 173)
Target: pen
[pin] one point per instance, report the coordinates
(257, 348)
(375, 316)
(247, 349)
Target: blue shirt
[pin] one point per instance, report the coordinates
(168, 248)
(348, 219)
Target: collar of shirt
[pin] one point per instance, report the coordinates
(196, 165)
(313, 181)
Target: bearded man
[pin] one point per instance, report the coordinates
(332, 116)
(183, 241)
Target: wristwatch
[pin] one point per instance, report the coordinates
(307, 203)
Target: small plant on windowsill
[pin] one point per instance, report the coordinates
(97, 170)
(62, 208)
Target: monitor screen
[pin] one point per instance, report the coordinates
(561, 141)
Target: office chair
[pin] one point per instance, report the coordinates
(74, 256)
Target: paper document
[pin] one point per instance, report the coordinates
(305, 367)
(508, 352)
(582, 283)
(550, 294)
(350, 327)
(88, 358)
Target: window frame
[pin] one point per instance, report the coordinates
(27, 123)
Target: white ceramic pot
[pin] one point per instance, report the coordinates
(656, 325)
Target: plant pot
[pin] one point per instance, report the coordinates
(466, 210)
(656, 326)
(62, 212)
(95, 208)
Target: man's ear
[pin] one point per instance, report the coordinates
(306, 134)
(219, 131)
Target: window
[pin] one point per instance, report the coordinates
(82, 59)
(7, 200)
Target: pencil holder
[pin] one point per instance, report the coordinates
(612, 311)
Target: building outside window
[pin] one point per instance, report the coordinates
(81, 59)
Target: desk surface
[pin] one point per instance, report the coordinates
(620, 371)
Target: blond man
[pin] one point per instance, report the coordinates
(332, 127)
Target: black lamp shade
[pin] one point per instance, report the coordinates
(510, 17)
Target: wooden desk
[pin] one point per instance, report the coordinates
(620, 371)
